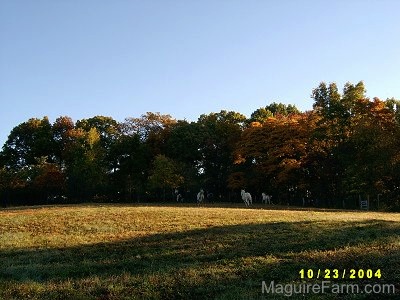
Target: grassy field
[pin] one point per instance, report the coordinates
(184, 252)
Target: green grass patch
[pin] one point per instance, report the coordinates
(167, 252)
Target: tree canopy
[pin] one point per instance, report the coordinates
(345, 148)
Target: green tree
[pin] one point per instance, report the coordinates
(85, 170)
(62, 129)
(109, 130)
(183, 146)
(219, 134)
(131, 163)
(370, 149)
(261, 115)
(338, 116)
(27, 141)
(165, 175)
(282, 109)
(327, 100)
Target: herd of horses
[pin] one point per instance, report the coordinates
(246, 197)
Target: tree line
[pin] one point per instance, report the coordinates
(345, 149)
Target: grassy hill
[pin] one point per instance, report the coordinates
(187, 252)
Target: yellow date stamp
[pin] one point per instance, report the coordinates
(340, 273)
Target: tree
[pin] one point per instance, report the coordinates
(109, 130)
(274, 109)
(261, 115)
(219, 134)
(345, 147)
(183, 142)
(4, 186)
(183, 145)
(165, 174)
(281, 109)
(49, 181)
(273, 154)
(27, 141)
(370, 149)
(131, 162)
(326, 100)
(335, 126)
(153, 130)
(62, 129)
(85, 170)
(14, 186)
(394, 106)
(150, 123)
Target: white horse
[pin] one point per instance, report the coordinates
(266, 198)
(246, 197)
(200, 197)
(179, 197)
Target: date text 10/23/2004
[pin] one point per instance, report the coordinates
(340, 273)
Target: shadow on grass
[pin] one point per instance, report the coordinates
(225, 262)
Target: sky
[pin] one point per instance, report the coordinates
(120, 58)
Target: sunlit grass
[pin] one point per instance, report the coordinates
(167, 252)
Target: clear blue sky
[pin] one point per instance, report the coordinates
(120, 58)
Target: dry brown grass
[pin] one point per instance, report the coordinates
(179, 252)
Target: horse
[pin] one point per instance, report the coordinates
(179, 197)
(246, 197)
(200, 197)
(266, 198)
